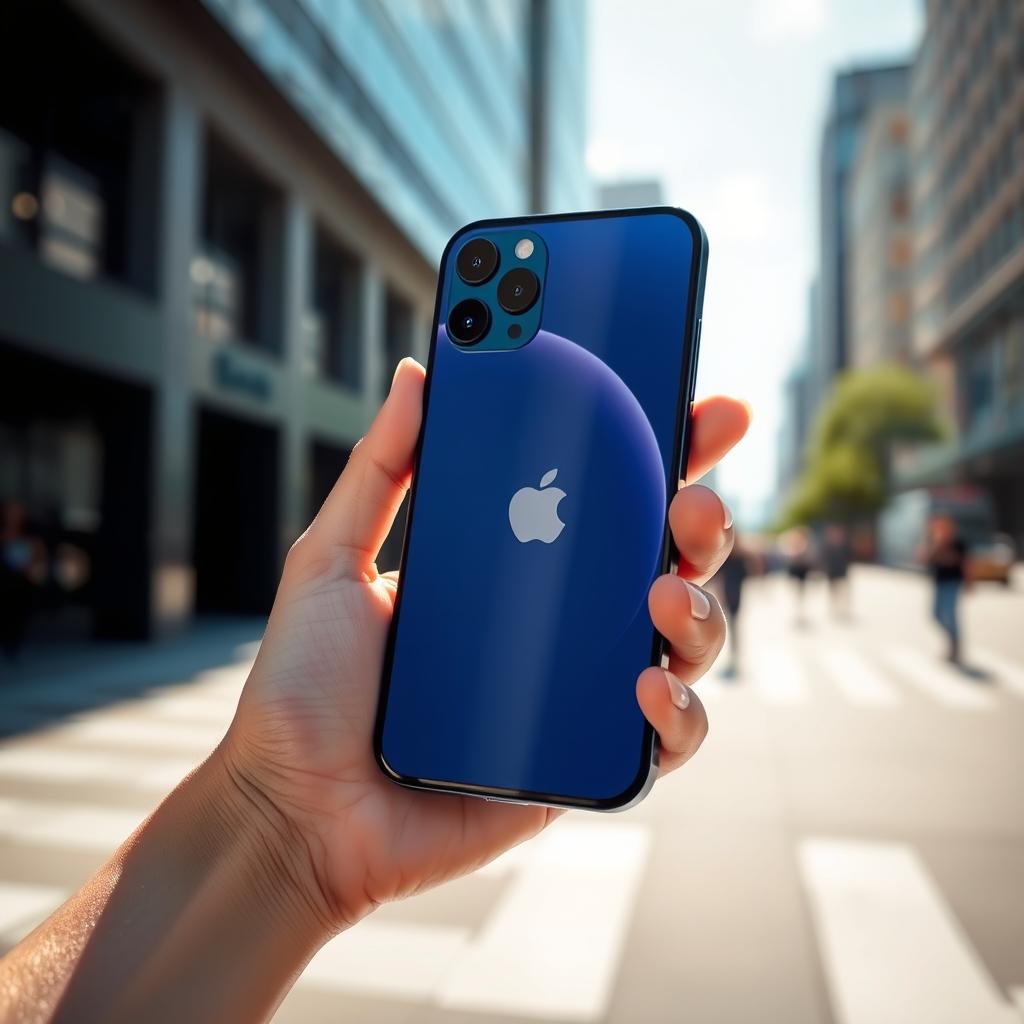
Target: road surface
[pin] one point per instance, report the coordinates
(848, 846)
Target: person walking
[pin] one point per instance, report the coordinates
(798, 549)
(19, 563)
(946, 559)
(730, 579)
(835, 559)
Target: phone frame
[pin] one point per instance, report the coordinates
(648, 767)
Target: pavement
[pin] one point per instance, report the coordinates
(848, 845)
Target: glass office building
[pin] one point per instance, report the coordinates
(219, 228)
(854, 94)
(445, 112)
(968, 178)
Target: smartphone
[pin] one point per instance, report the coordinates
(555, 432)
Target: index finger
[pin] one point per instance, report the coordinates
(718, 423)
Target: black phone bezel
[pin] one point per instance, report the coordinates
(647, 768)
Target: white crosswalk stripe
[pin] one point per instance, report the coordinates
(548, 949)
(779, 676)
(938, 680)
(857, 679)
(138, 732)
(892, 950)
(67, 826)
(135, 770)
(23, 906)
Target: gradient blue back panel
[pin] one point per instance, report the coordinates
(514, 664)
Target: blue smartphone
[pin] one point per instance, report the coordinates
(555, 431)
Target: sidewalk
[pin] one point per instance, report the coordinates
(50, 683)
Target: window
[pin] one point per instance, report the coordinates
(236, 275)
(334, 318)
(79, 150)
(397, 334)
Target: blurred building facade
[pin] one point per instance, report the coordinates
(219, 228)
(880, 241)
(968, 207)
(624, 195)
(797, 413)
(922, 246)
(855, 94)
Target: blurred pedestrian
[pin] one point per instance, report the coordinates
(19, 563)
(729, 583)
(836, 558)
(798, 548)
(946, 558)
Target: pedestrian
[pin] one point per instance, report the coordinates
(836, 558)
(20, 555)
(798, 550)
(946, 558)
(730, 579)
(289, 832)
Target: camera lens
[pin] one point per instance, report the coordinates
(477, 261)
(468, 321)
(518, 290)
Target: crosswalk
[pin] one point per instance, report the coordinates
(882, 678)
(542, 933)
(893, 952)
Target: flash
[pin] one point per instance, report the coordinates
(524, 248)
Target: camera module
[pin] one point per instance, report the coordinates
(468, 321)
(477, 261)
(518, 290)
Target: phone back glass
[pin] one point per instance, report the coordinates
(513, 657)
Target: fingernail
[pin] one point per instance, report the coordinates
(394, 376)
(700, 606)
(726, 516)
(678, 691)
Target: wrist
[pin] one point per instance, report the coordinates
(275, 860)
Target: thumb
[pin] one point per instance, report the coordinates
(363, 503)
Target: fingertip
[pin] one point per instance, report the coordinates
(719, 423)
(652, 693)
(408, 372)
(675, 712)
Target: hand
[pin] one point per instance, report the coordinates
(300, 744)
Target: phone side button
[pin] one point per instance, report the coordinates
(694, 355)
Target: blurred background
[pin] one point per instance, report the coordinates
(220, 222)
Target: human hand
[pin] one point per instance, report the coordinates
(300, 746)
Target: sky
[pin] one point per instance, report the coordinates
(724, 103)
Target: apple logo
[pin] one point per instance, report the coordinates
(533, 513)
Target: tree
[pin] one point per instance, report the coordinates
(847, 472)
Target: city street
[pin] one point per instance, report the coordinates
(848, 846)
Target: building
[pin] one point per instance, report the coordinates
(795, 426)
(792, 434)
(880, 241)
(855, 94)
(624, 195)
(219, 228)
(967, 150)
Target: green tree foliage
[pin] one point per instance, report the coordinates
(846, 474)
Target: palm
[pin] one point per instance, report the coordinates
(309, 711)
